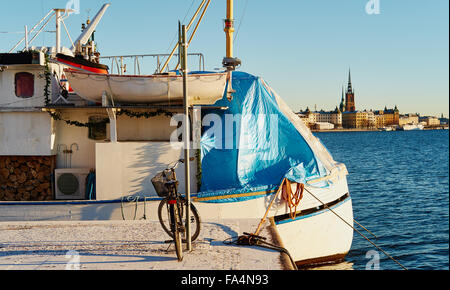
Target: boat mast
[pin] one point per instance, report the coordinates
(58, 29)
(229, 28)
(230, 62)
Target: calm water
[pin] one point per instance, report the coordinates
(399, 183)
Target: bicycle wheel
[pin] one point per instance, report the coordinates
(176, 231)
(195, 221)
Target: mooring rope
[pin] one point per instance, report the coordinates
(254, 240)
(134, 199)
(376, 246)
(292, 199)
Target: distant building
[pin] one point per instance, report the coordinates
(350, 96)
(430, 121)
(342, 104)
(408, 119)
(310, 118)
(379, 119)
(333, 117)
(443, 120)
(371, 122)
(355, 119)
(391, 116)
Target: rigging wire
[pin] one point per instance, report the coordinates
(242, 20)
(176, 34)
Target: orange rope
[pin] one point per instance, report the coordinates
(292, 199)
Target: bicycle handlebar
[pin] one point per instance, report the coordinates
(178, 162)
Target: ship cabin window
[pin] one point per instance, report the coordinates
(97, 129)
(24, 84)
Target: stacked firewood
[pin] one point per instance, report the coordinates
(24, 178)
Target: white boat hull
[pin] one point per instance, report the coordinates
(203, 89)
(319, 237)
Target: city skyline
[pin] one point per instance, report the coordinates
(303, 49)
(348, 103)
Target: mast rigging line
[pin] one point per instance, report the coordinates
(240, 21)
(196, 26)
(187, 29)
(176, 34)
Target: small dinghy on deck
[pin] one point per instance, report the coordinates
(86, 65)
(204, 88)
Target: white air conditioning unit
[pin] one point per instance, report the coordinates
(70, 184)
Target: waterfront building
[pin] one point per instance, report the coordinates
(355, 119)
(333, 117)
(310, 118)
(371, 122)
(430, 121)
(379, 120)
(408, 119)
(391, 116)
(443, 120)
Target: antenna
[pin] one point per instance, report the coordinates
(88, 11)
(86, 34)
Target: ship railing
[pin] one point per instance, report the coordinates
(121, 64)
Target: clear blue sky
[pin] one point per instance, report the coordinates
(302, 48)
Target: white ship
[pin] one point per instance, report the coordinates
(410, 127)
(85, 150)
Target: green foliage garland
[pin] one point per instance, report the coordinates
(48, 81)
(159, 112)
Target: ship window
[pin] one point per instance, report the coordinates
(97, 130)
(24, 83)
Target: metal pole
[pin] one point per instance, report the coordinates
(187, 138)
(58, 30)
(196, 26)
(26, 37)
(229, 29)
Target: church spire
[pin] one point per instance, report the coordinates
(349, 88)
(342, 104)
(350, 95)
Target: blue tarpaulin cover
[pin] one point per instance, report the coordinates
(261, 149)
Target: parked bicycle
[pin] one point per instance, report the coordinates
(171, 210)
